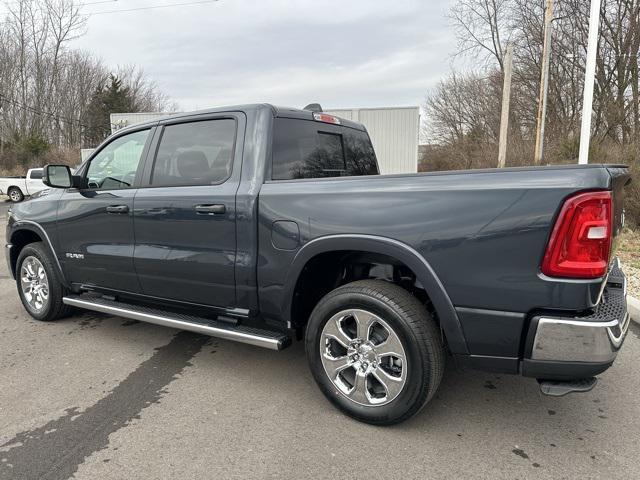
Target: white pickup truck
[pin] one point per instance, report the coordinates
(19, 187)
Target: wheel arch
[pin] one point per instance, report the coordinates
(15, 187)
(25, 233)
(394, 249)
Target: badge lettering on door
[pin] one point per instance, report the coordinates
(75, 256)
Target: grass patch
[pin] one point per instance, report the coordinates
(629, 247)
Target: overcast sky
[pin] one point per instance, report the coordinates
(349, 53)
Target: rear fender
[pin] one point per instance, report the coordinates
(449, 321)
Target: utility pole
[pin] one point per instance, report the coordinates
(544, 83)
(1, 131)
(506, 100)
(589, 80)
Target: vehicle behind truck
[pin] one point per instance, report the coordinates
(17, 188)
(268, 225)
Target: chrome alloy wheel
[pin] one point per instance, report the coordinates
(34, 284)
(363, 357)
(15, 195)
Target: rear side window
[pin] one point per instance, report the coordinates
(309, 149)
(36, 175)
(195, 153)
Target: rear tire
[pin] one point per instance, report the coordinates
(374, 351)
(15, 195)
(39, 284)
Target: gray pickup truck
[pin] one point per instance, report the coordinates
(263, 225)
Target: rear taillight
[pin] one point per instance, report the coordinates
(580, 243)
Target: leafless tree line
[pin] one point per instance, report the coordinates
(463, 111)
(46, 86)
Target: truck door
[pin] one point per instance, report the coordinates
(184, 217)
(95, 225)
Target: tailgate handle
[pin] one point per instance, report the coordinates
(211, 209)
(118, 209)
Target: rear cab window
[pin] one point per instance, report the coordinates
(195, 154)
(312, 149)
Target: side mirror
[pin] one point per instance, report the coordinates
(57, 176)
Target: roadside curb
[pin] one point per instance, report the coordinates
(633, 305)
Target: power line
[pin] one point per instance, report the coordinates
(42, 113)
(185, 4)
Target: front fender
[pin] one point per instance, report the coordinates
(17, 228)
(449, 321)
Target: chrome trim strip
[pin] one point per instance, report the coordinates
(7, 254)
(578, 323)
(617, 341)
(165, 321)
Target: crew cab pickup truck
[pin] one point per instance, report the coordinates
(267, 225)
(17, 188)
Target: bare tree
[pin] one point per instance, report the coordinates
(148, 97)
(47, 87)
(481, 27)
(461, 110)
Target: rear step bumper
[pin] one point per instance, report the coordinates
(559, 388)
(568, 348)
(239, 333)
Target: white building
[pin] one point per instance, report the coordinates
(394, 132)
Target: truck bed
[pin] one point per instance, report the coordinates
(482, 232)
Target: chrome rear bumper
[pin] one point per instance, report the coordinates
(578, 341)
(576, 347)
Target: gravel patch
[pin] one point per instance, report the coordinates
(633, 280)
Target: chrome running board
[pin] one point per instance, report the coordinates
(239, 333)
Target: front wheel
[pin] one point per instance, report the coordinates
(374, 351)
(39, 286)
(15, 195)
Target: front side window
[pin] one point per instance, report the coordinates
(195, 154)
(309, 149)
(115, 166)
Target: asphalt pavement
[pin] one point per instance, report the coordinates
(100, 397)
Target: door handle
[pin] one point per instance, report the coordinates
(210, 209)
(118, 209)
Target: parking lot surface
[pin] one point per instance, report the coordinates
(102, 397)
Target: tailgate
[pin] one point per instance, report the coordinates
(620, 178)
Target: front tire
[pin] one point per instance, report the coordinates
(39, 285)
(15, 195)
(374, 351)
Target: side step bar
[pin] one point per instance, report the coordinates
(239, 333)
